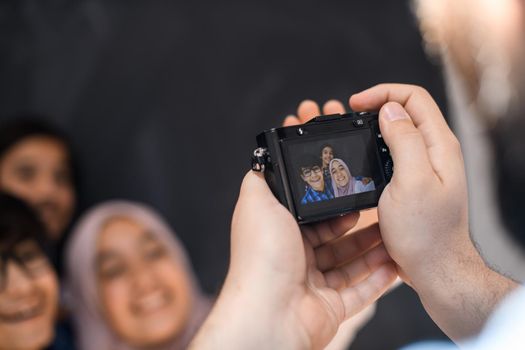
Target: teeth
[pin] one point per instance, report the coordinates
(151, 302)
(27, 313)
(22, 315)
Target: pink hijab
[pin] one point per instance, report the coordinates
(349, 188)
(91, 327)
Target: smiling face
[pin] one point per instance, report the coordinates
(313, 176)
(339, 174)
(37, 170)
(327, 154)
(28, 300)
(144, 290)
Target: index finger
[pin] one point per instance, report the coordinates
(442, 146)
(421, 107)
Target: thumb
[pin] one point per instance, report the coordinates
(406, 144)
(264, 233)
(256, 205)
(255, 190)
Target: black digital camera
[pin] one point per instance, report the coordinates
(332, 165)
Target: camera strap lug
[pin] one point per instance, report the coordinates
(259, 159)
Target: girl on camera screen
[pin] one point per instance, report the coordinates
(343, 183)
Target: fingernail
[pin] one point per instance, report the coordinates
(394, 111)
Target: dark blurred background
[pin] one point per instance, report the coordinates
(163, 100)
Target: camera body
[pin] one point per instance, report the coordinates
(332, 165)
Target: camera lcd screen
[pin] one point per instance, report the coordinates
(333, 173)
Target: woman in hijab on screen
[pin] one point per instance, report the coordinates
(130, 281)
(343, 183)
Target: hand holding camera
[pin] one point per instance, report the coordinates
(301, 282)
(423, 211)
(291, 285)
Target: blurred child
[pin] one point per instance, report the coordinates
(28, 283)
(36, 165)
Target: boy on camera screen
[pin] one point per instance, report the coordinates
(312, 174)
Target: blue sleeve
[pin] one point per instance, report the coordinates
(431, 345)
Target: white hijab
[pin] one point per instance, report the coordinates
(348, 189)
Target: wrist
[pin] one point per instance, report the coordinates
(460, 291)
(242, 318)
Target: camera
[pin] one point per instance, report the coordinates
(329, 166)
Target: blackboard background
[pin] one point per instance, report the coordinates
(163, 100)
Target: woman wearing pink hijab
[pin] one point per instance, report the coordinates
(343, 183)
(130, 282)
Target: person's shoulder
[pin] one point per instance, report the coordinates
(358, 185)
(307, 196)
(431, 345)
(305, 199)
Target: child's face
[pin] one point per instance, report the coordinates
(327, 155)
(313, 176)
(28, 299)
(37, 170)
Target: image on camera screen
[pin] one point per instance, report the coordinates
(328, 169)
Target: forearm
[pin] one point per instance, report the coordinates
(462, 293)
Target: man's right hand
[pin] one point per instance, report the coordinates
(423, 212)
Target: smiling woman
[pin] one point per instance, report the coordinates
(131, 281)
(344, 184)
(28, 284)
